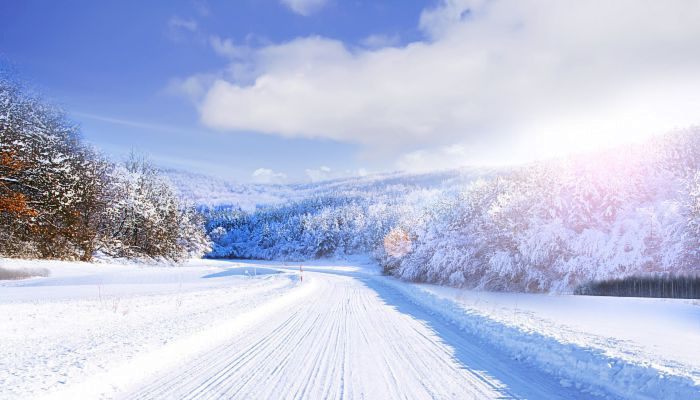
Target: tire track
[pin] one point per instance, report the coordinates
(354, 339)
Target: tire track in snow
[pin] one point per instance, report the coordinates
(354, 338)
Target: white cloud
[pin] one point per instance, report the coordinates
(268, 176)
(512, 80)
(325, 173)
(320, 174)
(226, 48)
(134, 124)
(183, 30)
(193, 87)
(304, 7)
(443, 157)
(176, 23)
(378, 41)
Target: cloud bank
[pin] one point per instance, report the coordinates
(496, 79)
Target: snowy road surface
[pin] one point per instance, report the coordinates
(244, 330)
(352, 337)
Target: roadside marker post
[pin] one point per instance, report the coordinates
(301, 274)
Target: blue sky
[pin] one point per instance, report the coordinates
(293, 90)
(110, 64)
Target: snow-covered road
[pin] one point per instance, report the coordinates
(252, 330)
(353, 337)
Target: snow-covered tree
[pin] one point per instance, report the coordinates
(146, 218)
(550, 225)
(59, 198)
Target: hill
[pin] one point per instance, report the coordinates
(548, 226)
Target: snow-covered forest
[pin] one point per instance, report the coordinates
(60, 198)
(548, 226)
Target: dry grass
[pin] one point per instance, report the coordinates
(22, 273)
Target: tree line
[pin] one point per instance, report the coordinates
(62, 199)
(554, 225)
(663, 286)
(547, 226)
(326, 226)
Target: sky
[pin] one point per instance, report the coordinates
(275, 91)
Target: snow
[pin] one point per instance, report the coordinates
(553, 226)
(632, 348)
(211, 191)
(353, 338)
(86, 319)
(209, 329)
(629, 328)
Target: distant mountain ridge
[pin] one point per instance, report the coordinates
(205, 190)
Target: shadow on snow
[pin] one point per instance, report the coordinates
(510, 378)
(245, 271)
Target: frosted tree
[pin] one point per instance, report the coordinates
(146, 218)
(46, 168)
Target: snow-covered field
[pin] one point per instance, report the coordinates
(660, 332)
(631, 347)
(213, 329)
(87, 319)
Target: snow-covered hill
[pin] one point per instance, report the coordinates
(207, 190)
(547, 226)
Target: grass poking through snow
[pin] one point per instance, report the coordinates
(22, 273)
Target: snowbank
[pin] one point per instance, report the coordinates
(61, 333)
(593, 369)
